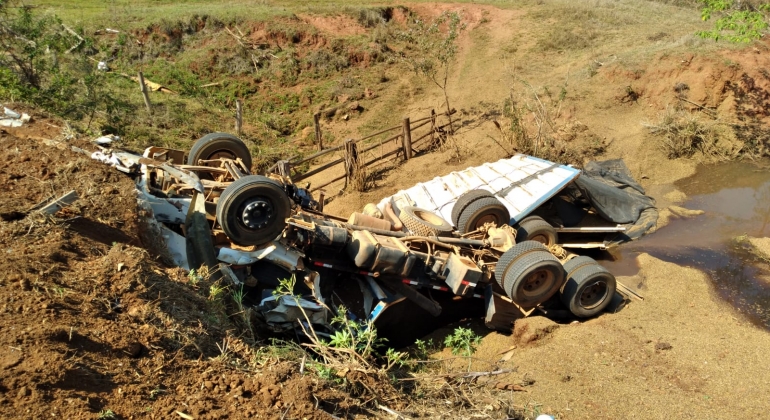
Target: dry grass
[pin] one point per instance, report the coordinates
(683, 134)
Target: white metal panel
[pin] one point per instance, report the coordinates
(522, 183)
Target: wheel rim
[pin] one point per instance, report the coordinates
(222, 154)
(593, 294)
(543, 239)
(538, 282)
(257, 213)
(487, 218)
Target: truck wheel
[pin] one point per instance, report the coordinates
(534, 228)
(589, 287)
(466, 198)
(481, 211)
(253, 210)
(529, 274)
(219, 145)
(422, 222)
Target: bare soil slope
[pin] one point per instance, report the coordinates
(91, 323)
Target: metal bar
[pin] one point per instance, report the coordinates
(596, 229)
(587, 245)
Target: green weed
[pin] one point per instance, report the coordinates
(107, 414)
(463, 341)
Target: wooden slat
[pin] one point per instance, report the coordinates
(318, 169)
(317, 155)
(376, 145)
(339, 178)
(377, 133)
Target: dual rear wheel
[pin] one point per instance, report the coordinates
(530, 275)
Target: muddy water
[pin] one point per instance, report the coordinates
(736, 200)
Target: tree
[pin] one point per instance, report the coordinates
(741, 21)
(434, 49)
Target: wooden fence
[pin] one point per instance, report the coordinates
(411, 137)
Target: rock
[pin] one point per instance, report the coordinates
(683, 212)
(134, 311)
(24, 285)
(663, 346)
(134, 350)
(354, 106)
(533, 328)
(208, 385)
(762, 245)
(23, 392)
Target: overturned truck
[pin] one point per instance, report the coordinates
(484, 241)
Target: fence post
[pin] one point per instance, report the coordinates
(351, 160)
(406, 139)
(432, 127)
(317, 123)
(238, 117)
(146, 96)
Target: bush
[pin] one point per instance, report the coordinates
(683, 134)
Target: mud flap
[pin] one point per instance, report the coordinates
(200, 248)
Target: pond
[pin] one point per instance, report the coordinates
(736, 200)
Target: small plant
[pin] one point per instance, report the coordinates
(156, 392)
(395, 358)
(463, 341)
(326, 373)
(216, 292)
(59, 291)
(107, 414)
(286, 287)
(360, 337)
(238, 295)
(193, 278)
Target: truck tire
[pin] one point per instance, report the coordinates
(422, 222)
(253, 210)
(466, 198)
(534, 228)
(589, 287)
(482, 210)
(529, 274)
(219, 145)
